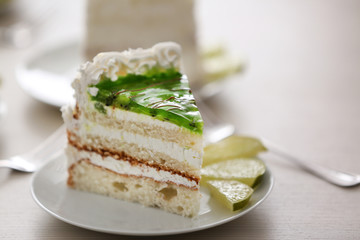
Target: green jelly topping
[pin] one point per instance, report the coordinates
(163, 95)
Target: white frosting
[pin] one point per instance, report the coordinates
(138, 61)
(114, 64)
(124, 167)
(67, 115)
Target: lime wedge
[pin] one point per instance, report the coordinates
(232, 194)
(245, 170)
(232, 147)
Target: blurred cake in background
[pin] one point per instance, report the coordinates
(114, 25)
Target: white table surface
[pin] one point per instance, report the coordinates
(301, 89)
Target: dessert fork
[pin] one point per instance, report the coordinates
(32, 160)
(216, 130)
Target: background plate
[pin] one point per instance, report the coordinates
(47, 76)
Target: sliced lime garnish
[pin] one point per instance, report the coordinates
(245, 170)
(232, 147)
(232, 194)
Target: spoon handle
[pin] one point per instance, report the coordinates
(333, 176)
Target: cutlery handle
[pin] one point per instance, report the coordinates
(336, 177)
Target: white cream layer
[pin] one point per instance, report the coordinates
(124, 167)
(83, 127)
(171, 149)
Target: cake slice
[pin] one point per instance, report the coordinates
(135, 132)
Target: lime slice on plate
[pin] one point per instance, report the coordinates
(245, 170)
(232, 194)
(232, 147)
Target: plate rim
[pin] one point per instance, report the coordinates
(23, 67)
(146, 233)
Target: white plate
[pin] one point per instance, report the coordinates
(47, 76)
(104, 214)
